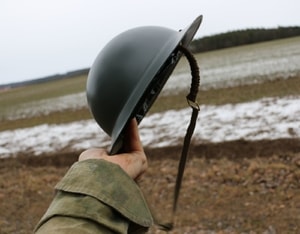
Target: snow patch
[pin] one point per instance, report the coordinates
(270, 118)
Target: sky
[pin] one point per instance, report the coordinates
(46, 37)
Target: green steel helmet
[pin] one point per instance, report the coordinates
(129, 73)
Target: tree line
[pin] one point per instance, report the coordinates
(67, 75)
(242, 37)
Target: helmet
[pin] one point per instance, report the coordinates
(129, 73)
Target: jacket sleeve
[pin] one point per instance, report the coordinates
(96, 196)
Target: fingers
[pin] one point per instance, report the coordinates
(133, 159)
(136, 160)
(93, 153)
(132, 140)
(133, 163)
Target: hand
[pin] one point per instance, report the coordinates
(133, 161)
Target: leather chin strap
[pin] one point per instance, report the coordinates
(191, 99)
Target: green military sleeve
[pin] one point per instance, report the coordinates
(96, 196)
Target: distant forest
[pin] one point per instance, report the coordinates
(214, 42)
(242, 37)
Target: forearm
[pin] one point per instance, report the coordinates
(96, 195)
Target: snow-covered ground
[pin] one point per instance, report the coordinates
(270, 118)
(46, 106)
(256, 63)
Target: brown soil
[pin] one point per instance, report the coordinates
(233, 187)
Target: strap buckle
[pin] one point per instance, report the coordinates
(193, 104)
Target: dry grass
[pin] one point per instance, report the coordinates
(57, 117)
(278, 88)
(24, 194)
(230, 194)
(246, 93)
(248, 187)
(34, 92)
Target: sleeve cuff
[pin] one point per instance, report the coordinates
(108, 183)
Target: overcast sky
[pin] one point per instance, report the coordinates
(45, 37)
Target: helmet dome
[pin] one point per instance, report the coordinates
(129, 72)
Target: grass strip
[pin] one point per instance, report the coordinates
(239, 94)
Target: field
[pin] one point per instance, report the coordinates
(235, 187)
(243, 66)
(229, 187)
